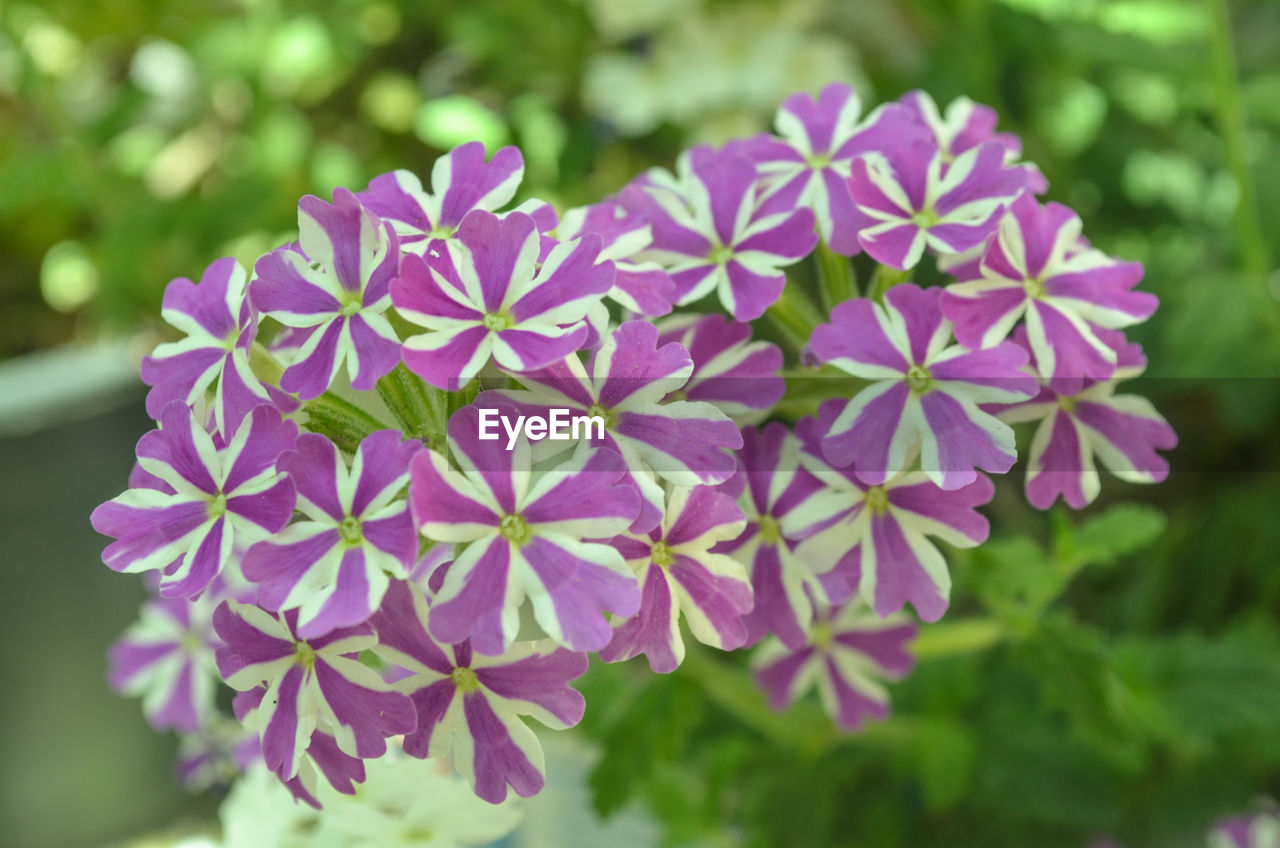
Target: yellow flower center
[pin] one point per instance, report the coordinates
(662, 555)
(918, 379)
(770, 533)
(514, 529)
(877, 499)
(464, 679)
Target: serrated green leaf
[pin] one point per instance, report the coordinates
(1121, 530)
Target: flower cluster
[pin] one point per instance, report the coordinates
(329, 530)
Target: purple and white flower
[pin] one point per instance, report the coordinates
(1080, 422)
(680, 575)
(641, 286)
(523, 537)
(334, 566)
(166, 657)
(925, 393)
(220, 326)
(218, 498)
(785, 586)
(808, 163)
(625, 382)
(312, 685)
(1035, 267)
(966, 125)
(461, 181)
(878, 535)
(484, 296)
(915, 199)
(730, 370)
(1257, 830)
(335, 284)
(472, 704)
(849, 654)
(712, 237)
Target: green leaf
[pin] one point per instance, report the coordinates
(945, 757)
(1121, 530)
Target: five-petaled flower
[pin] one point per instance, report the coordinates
(523, 536)
(925, 393)
(1035, 266)
(682, 576)
(808, 163)
(336, 285)
(916, 199)
(850, 651)
(712, 236)
(484, 296)
(220, 325)
(312, 684)
(334, 566)
(878, 535)
(217, 498)
(472, 703)
(786, 587)
(1080, 420)
(461, 181)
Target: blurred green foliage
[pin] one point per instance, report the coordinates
(1115, 672)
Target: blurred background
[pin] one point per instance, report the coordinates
(1135, 688)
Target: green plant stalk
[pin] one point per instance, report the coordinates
(795, 316)
(1254, 255)
(333, 417)
(967, 636)
(885, 278)
(836, 282)
(409, 400)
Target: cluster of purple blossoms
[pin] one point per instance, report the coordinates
(357, 510)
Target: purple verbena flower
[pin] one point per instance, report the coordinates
(730, 370)
(472, 704)
(1034, 268)
(878, 535)
(220, 326)
(1256, 830)
(916, 199)
(808, 163)
(523, 538)
(461, 181)
(483, 296)
(624, 383)
(711, 236)
(166, 656)
(850, 652)
(334, 566)
(312, 684)
(217, 753)
(1083, 420)
(966, 125)
(643, 287)
(322, 753)
(925, 393)
(681, 576)
(785, 587)
(218, 497)
(335, 284)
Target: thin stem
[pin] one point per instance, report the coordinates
(884, 279)
(1254, 255)
(836, 283)
(959, 637)
(795, 315)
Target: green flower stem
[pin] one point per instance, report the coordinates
(884, 279)
(836, 282)
(1254, 255)
(967, 636)
(412, 403)
(795, 316)
(344, 423)
(265, 366)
